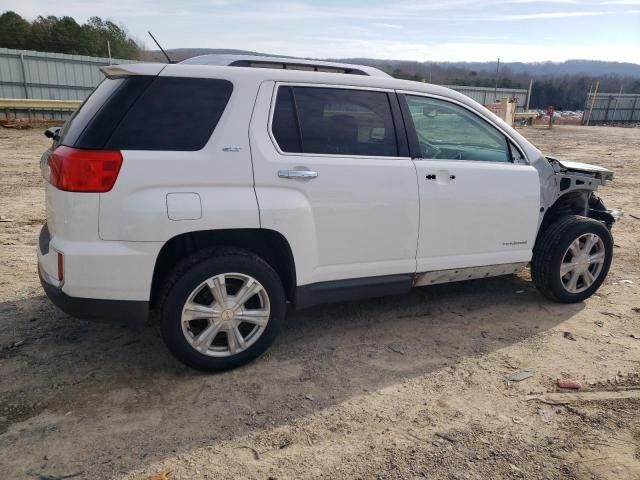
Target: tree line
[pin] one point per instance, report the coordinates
(65, 35)
(564, 92)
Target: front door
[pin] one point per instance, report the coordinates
(479, 199)
(333, 179)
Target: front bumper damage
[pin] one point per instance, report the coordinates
(576, 179)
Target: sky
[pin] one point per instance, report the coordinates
(437, 30)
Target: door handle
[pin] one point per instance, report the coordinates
(433, 176)
(299, 174)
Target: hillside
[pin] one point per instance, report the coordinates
(562, 84)
(591, 68)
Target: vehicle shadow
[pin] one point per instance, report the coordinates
(90, 389)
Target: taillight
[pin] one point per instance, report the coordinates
(75, 170)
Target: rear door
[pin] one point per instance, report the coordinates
(479, 199)
(334, 176)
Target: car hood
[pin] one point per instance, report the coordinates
(570, 166)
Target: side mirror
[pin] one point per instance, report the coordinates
(52, 132)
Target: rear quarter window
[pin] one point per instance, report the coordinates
(75, 126)
(173, 113)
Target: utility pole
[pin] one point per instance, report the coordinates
(495, 90)
(109, 50)
(529, 95)
(593, 100)
(586, 104)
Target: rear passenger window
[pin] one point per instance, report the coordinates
(334, 121)
(173, 113)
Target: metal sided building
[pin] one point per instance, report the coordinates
(26, 74)
(487, 95)
(611, 108)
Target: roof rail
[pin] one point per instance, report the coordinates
(286, 63)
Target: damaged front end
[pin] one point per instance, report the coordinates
(569, 190)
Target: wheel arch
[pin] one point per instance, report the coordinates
(582, 202)
(269, 245)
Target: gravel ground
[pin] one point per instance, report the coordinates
(401, 387)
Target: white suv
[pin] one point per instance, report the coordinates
(217, 192)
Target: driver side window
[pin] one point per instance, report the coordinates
(448, 131)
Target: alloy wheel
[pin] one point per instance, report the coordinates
(225, 314)
(582, 263)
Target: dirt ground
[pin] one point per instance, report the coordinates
(402, 387)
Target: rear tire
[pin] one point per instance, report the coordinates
(205, 319)
(571, 259)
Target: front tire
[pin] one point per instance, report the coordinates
(221, 309)
(571, 259)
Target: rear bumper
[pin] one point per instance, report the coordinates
(94, 268)
(103, 280)
(126, 311)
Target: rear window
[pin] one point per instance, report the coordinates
(74, 127)
(174, 113)
(109, 110)
(149, 113)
